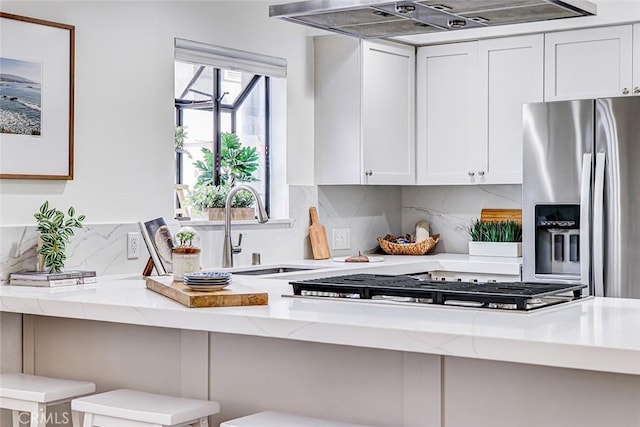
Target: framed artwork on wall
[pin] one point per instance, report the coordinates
(36, 98)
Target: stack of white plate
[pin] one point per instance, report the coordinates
(207, 280)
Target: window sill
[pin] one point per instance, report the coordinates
(248, 224)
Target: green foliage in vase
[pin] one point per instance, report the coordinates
(495, 231)
(205, 167)
(185, 236)
(237, 163)
(55, 229)
(215, 196)
(180, 135)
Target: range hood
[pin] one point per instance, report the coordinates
(380, 19)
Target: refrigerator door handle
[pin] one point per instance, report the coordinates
(598, 226)
(585, 205)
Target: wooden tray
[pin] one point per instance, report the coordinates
(491, 215)
(234, 295)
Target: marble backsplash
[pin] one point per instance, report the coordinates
(102, 247)
(99, 247)
(367, 211)
(451, 209)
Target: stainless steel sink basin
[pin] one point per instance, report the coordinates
(270, 270)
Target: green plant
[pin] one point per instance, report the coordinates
(242, 199)
(215, 196)
(495, 231)
(205, 167)
(237, 163)
(185, 237)
(178, 139)
(188, 243)
(55, 229)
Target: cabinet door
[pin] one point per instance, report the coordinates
(511, 74)
(446, 112)
(337, 70)
(388, 94)
(589, 63)
(636, 59)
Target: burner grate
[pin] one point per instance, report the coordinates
(367, 286)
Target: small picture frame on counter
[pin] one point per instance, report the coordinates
(157, 237)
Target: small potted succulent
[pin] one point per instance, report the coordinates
(54, 230)
(185, 256)
(495, 238)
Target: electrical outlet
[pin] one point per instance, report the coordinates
(133, 245)
(341, 238)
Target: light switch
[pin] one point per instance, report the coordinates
(341, 238)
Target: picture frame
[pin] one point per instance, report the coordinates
(37, 60)
(157, 237)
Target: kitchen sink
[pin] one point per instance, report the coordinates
(271, 270)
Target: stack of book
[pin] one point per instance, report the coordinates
(43, 278)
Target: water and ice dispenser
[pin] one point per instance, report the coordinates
(557, 239)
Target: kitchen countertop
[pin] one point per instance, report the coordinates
(599, 334)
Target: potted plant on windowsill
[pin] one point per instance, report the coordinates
(210, 201)
(237, 165)
(495, 238)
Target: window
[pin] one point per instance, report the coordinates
(222, 99)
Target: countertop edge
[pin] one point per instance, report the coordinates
(537, 339)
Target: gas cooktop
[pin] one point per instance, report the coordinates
(523, 296)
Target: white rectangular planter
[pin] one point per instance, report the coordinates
(506, 249)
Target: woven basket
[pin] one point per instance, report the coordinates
(418, 248)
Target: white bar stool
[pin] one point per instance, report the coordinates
(283, 419)
(24, 393)
(131, 408)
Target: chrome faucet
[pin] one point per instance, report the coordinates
(228, 249)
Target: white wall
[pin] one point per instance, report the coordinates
(124, 115)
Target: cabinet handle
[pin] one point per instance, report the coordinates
(636, 89)
(481, 173)
(471, 173)
(625, 91)
(369, 172)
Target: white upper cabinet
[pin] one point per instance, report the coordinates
(364, 112)
(636, 59)
(388, 113)
(511, 74)
(469, 109)
(590, 63)
(446, 84)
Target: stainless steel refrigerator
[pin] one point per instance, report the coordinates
(581, 194)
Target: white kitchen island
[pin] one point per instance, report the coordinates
(378, 364)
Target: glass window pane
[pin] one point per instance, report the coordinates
(198, 127)
(193, 82)
(233, 83)
(241, 111)
(250, 127)
(225, 121)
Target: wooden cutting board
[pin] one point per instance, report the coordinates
(493, 215)
(234, 295)
(318, 236)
